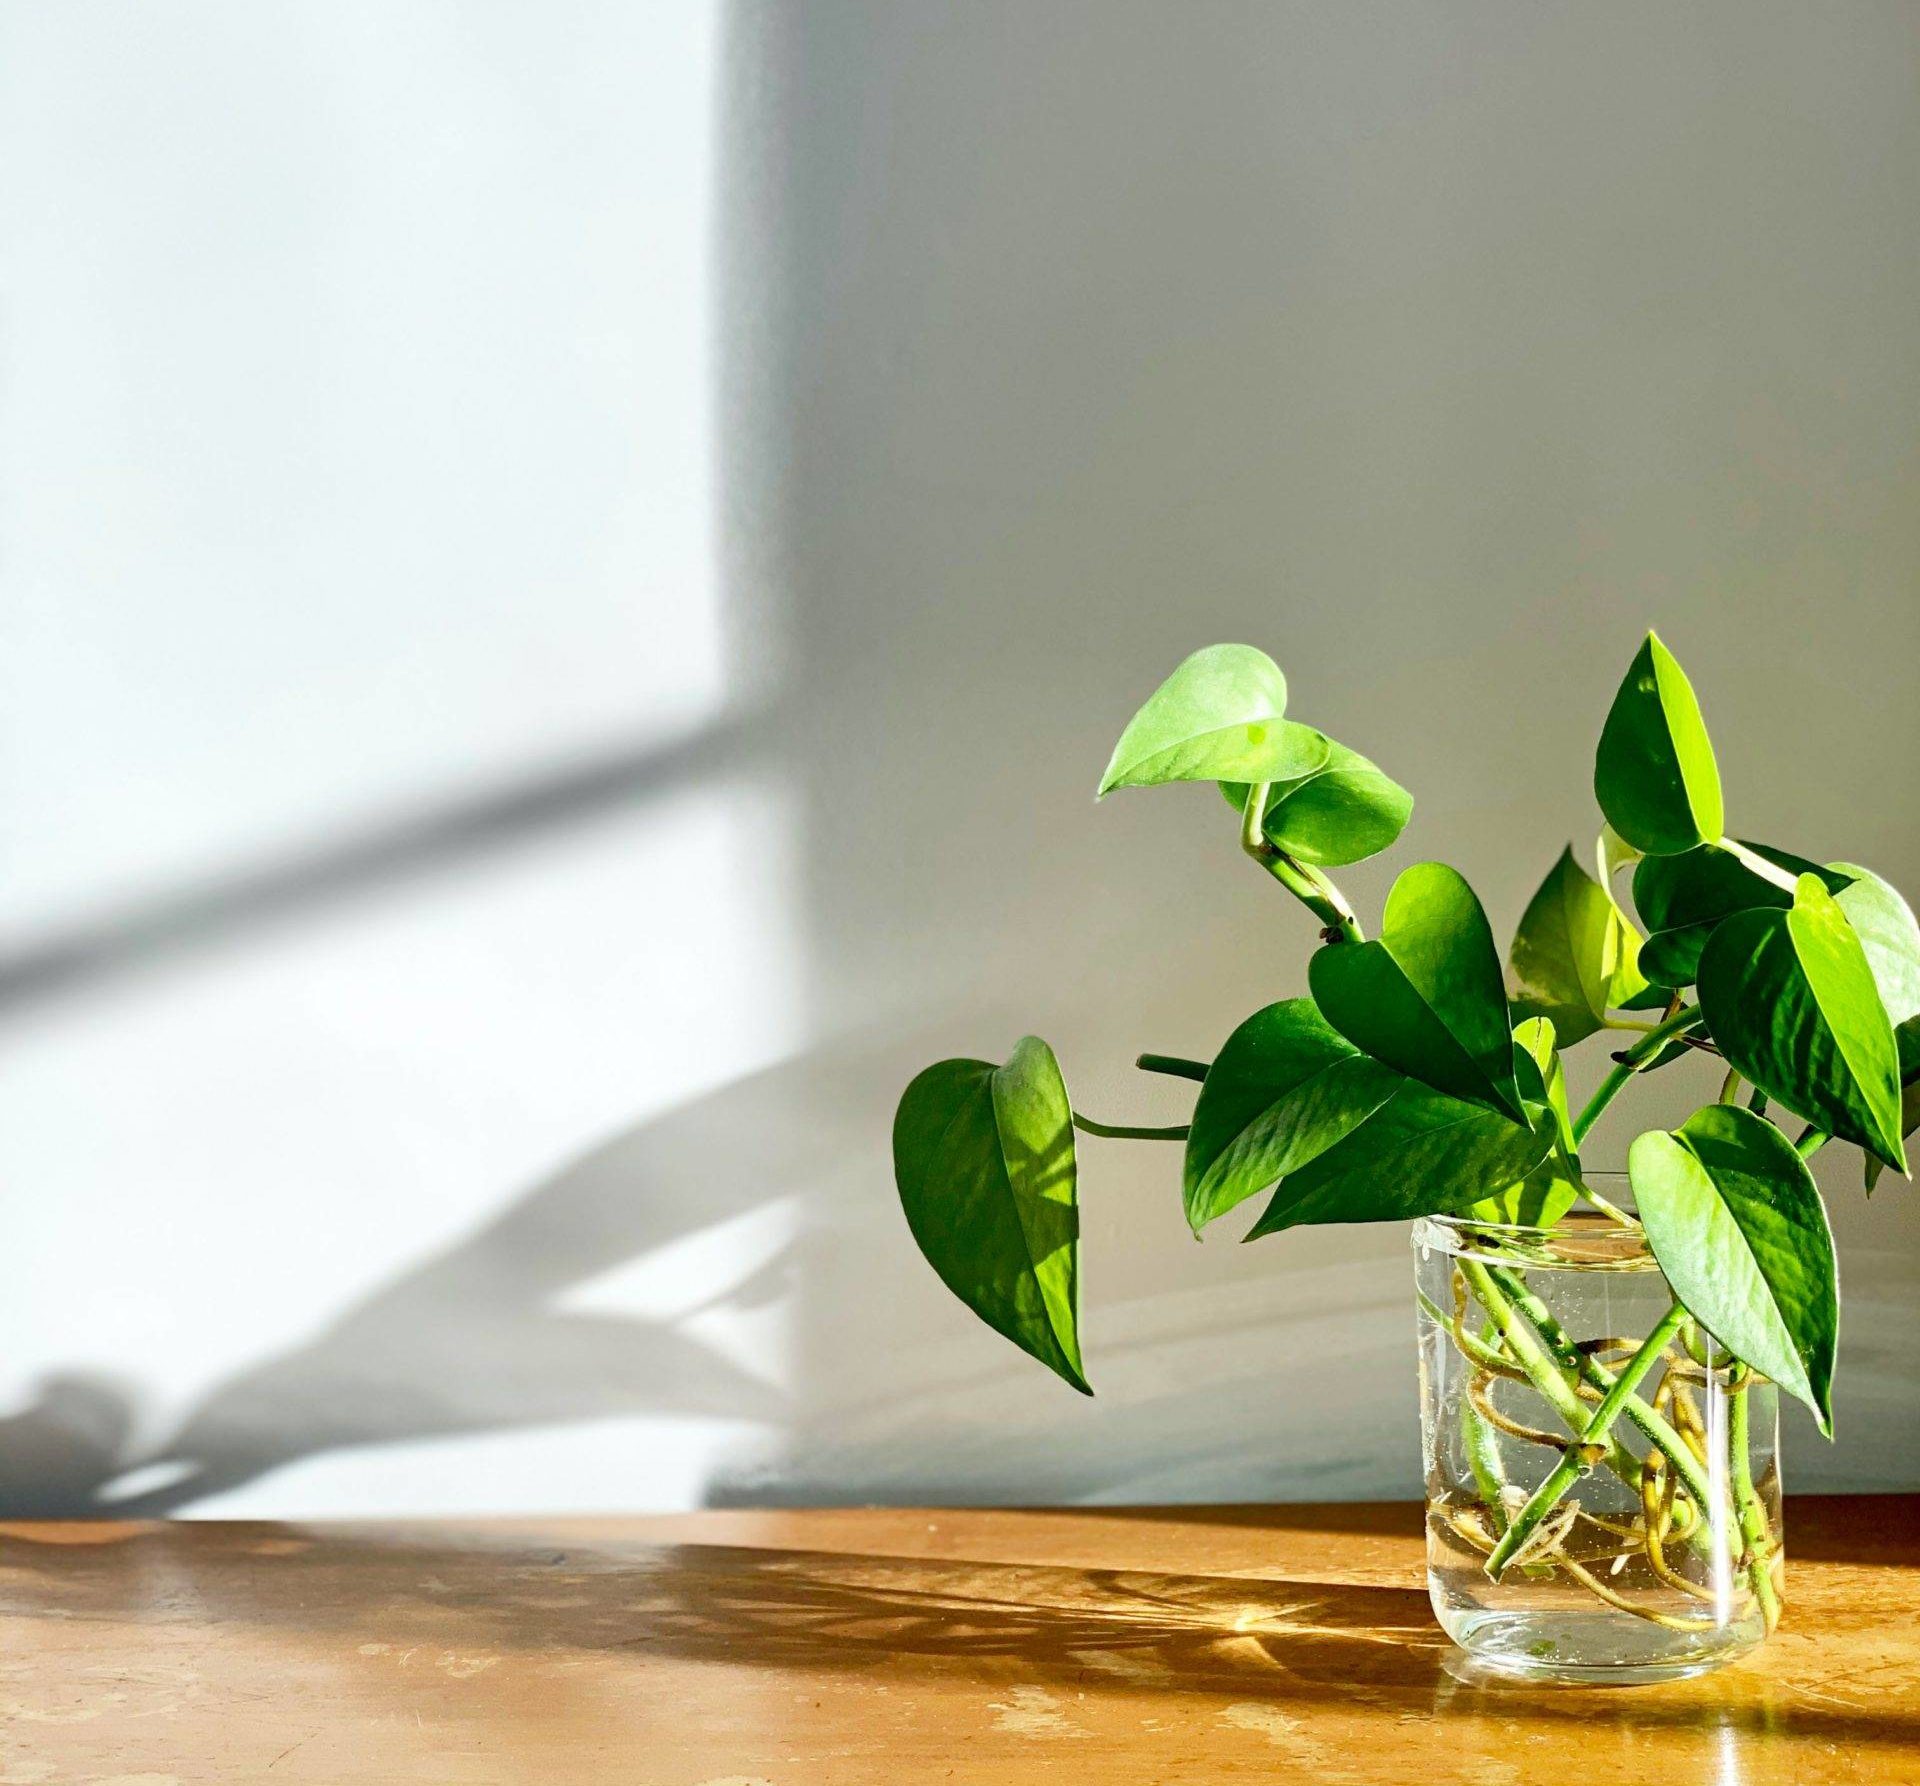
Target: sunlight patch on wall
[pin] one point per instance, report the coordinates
(359, 444)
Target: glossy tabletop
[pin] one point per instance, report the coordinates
(740, 1648)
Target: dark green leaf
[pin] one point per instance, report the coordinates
(1789, 997)
(1654, 775)
(1681, 898)
(1428, 998)
(1219, 717)
(1574, 956)
(1737, 1224)
(983, 1156)
(1343, 811)
(1420, 1153)
(1284, 1089)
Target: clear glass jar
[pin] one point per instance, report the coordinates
(1638, 1547)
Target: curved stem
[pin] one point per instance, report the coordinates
(1128, 1132)
(1253, 818)
(1811, 1141)
(1176, 1066)
(1630, 1063)
(1308, 885)
(1607, 1207)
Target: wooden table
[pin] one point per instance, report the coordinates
(729, 1649)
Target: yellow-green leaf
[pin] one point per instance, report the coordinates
(1221, 716)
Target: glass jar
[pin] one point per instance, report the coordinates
(1602, 1480)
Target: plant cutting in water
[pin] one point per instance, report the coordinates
(1417, 1080)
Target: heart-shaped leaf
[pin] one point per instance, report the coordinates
(1282, 1091)
(1574, 956)
(1654, 775)
(1428, 998)
(1421, 1153)
(1737, 1224)
(1681, 898)
(1790, 999)
(1343, 811)
(1220, 717)
(983, 1157)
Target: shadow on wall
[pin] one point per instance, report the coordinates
(473, 1339)
(479, 1339)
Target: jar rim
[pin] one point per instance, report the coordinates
(1582, 1239)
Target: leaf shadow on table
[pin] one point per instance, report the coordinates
(1293, 1640)
(777, 1607)
(1063, 1626)
(358, 1599)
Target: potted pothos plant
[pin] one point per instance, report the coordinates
(1600, 1351)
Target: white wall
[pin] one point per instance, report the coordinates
(565, 576)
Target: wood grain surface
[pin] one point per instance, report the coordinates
(785, 1649)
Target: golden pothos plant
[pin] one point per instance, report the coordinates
(1417, 1076)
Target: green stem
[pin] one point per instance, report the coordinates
(1629, 1063)
(1592, 1372)
(1577, 1460)
(1811, 1141)
(1596, 1376)
(1253, 820)
(1473, 1350)
(1308, 885)
(1678, 1453)
(1483, 1459)
(1754, 1533)
(1173, 1065)
(1127, 1132)
(1607, 1207)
